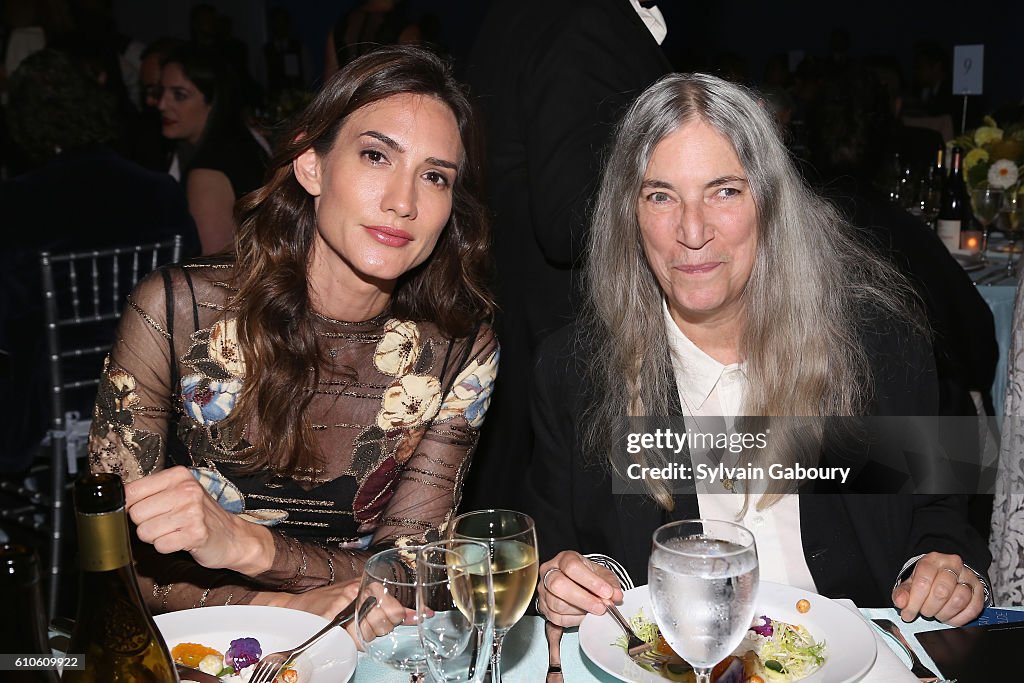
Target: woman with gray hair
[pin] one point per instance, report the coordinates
(720, 286)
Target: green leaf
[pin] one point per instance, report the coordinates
(775, 666)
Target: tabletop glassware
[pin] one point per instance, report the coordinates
(986, 203)
(511, 539)
(703, 578)
(455, 609)
(390, 576)
(1013, 208)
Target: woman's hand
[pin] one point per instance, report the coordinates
(572, 586)
(940, 587)
(173, 512)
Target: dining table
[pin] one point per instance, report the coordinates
(525, 656)
(999, 290)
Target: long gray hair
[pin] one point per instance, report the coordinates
(810, 286)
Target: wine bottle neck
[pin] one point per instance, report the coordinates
(103, 541)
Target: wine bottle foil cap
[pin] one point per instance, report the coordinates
(99, 493)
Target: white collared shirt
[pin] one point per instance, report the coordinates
(653, 20)
(709, 390)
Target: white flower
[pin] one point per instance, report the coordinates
(1002, 174)
(410, 401)
(224, 347)
(398, 349)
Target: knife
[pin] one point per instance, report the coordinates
(916, 667)
(187, 673)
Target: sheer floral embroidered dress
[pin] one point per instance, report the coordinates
(396, 415)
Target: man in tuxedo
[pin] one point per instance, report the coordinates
(551, 78)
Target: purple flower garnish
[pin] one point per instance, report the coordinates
(766, 629)
(242, 653)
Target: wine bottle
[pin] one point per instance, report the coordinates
(955, 211)
(113, 630)
(23, 628)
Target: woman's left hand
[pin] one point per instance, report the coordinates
(174, 512)
(940, 587)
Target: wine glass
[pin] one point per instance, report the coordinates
(511, 539)
(1013, 207)
(703, 583)
(455, 609)
(929, 198)
(390, 576)
(986, 202)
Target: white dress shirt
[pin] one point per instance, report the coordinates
(653, 20)
(708, 391)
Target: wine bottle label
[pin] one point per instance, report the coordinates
(949, 233)
(103, 541)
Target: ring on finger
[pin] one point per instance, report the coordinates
(954, 573)
(964, 583)
(544, 579)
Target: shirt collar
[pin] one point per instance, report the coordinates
(653, 20)
(700, 371)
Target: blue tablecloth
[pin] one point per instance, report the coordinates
(1000, 295)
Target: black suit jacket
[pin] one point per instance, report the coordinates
(551, 78)
(855, 544)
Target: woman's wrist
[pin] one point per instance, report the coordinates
(256, 550)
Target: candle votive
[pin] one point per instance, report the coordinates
(970, 241)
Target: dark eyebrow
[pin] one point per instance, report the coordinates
(393, 144)
(725, 180)
(385, 139)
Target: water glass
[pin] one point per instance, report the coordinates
(390, 576)
(455, 609)
(703, 583)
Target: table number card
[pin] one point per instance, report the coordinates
(968, 69)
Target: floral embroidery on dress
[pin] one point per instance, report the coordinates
(408, 402)
(224, 347)
(114, 443)
(209, 401)
(210, 393)
(471, 393)
(398, 349)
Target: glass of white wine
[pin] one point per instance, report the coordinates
(703, 583)
(455, 609)
(511, 539)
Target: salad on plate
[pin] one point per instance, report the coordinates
(772, 651)
(233, 666)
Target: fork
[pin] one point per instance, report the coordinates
(271, 665)
(637, 650)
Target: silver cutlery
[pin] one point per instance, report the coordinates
(271, 665)
(638, 650)
(916, 667)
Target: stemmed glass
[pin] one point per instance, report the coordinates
(1013, 207)
(929, 198)
(390, 576)
(511, 539)
(987, 203)
(455, 609)
(703, 582)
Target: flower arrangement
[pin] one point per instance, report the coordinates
(993, 156)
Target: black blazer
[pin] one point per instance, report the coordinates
(855, 544)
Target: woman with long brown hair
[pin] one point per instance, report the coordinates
(283, 412)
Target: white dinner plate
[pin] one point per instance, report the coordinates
(849, 642)
(332, 660)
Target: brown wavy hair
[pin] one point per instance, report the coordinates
(273, 248)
